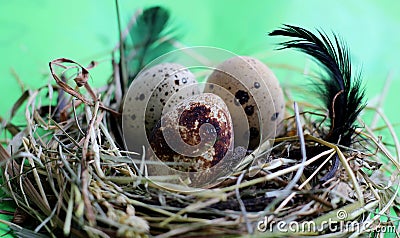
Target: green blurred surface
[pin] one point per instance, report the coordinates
(35, 32)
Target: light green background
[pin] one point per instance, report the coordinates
(34, 32)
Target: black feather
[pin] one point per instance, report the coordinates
(145, 42)
(340, 91)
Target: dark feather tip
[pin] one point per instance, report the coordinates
(144, 44)
(340, 90)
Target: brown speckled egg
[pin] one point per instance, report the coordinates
(195, 135)
(256, 91)
(148, 95)
(175, 82)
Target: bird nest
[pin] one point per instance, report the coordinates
(68, 175)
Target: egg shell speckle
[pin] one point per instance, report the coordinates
(256, 90)
(148, 95)
(184, 123)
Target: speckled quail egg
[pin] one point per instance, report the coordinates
(195, 135)
(256, 91)
(147, 97)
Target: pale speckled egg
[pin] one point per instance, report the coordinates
(149, 94)
(256, 91)
(196, 135)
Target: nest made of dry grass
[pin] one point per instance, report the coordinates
(67, 175)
